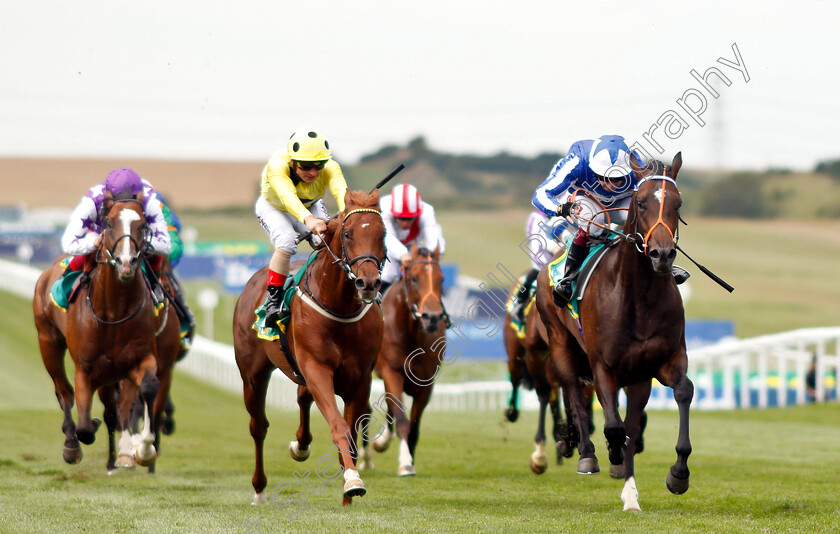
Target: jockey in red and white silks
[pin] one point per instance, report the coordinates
(408, 220)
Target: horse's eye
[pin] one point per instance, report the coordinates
(346, 234)
(641, 204)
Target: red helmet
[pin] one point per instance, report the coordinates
(405, 201)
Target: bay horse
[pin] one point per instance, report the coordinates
(334, 335)
(529, 367)
(631, 329)
(109, 330)
(413, 345)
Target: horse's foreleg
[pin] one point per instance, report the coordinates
(320, 382)
(161, 400)
(366, 451)
(145, 454)
(558, 427)
(300, 449)
(677, 480)
(87, 427)
(125, 419)
(408, 448)
(107, 394)
(539, 459)
(254, 387)
(354, 409)
(52, 352)
(607, 391)
(637, 398)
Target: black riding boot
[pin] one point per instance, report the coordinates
(522, 296)
(272, 308)
(181, 308)
(563, 290)
(156, 288)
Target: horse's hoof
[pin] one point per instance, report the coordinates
(259, 498)
(617, 471)
(538, 469)
(298, 455)
(563, 450)
(354, 488)
(406, 471)
(380, 444)
(675, 485)
(588, 466)
(86, 436)
(366, 465)
(112, 472)
(512, 414)
(72, 455)
(146, 458)
(167, 427)
(125, 461)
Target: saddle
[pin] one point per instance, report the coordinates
(557, 268)
(275, 333)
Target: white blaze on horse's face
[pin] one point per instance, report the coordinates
(126, 218)
(660, 195)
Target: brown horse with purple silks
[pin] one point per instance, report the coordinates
(413, 346)
(631, 329)
(334, 335)
(109, 330)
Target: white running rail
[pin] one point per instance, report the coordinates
(758, 372)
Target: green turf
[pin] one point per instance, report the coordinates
(752, 471)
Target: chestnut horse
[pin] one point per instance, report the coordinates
(169, 350)
(413, 346)
(631, 329)
(109, 330)
(334, 335)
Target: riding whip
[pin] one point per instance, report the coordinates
(387, 178)
(708, 273)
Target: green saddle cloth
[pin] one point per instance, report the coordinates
(272, 333)
(63, 287)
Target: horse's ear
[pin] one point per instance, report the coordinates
(332, 227)
(676, 164)
(414, 248)
(638, 169)
(347, 199)
(436, 253)
(375, 196)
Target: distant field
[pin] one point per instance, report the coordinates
(784, 272)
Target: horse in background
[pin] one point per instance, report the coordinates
(413, 345)
(631, 329)
(109, 330)
(333, 335)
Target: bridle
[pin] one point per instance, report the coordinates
(346, 265)
(142, 250)
(415, 310)
(641, 241)
(343, 262)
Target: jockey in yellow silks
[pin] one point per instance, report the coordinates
(291, 202)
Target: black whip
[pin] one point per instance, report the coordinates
(708, 273)
(387, 178)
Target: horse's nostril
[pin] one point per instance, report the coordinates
(654, 254)
(360, 284)
(377, 284)
(672, 255)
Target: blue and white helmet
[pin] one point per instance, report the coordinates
(610, 157)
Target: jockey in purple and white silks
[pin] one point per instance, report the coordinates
(82, 233)
(601, 167)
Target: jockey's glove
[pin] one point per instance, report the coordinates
(565, 209)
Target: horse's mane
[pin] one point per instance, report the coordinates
(353, 200)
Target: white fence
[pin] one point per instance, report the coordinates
(758, 372)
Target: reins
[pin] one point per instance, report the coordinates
(345, 265)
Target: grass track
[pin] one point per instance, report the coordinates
(752, 471)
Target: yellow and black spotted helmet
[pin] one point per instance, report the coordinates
(308, 144)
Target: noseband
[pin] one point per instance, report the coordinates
(641, 241)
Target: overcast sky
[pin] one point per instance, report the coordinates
(232, 80)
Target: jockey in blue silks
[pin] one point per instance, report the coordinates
(601, 167)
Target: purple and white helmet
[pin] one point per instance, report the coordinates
(122, 182)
